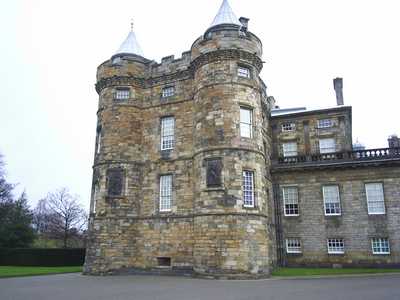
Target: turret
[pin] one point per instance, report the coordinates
(231, 197)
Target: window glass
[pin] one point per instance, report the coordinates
(335, 246)
(331, 200)
(246, 122)
(244, 72)
(165, 192)
(289, 149)
(327, 145)
(167, 133)
(248, 188)
(293, 246)
(290, 200)
(122, 93)
(380, 246)
(168, 91)
(375, 198)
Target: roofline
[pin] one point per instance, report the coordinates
(312, 112)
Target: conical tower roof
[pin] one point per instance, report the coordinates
(130, 45)
(225, 15)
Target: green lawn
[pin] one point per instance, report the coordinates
(16, 271)
(328, 271)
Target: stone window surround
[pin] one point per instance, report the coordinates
(383, 197)
(246, 69)
(159, 193)
(250, 109)
(288, 126)
(292, 152)
(168, 91)
(172, 140)
(98, 139)
(326, 149)
(119, 96)
(253, 171)
(324, 202)
(293, 245)
(335, 245)
(325, 123)
(379, 243)
(283, 187)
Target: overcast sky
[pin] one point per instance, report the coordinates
(50, 50)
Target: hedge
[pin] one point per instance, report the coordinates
(47, 257)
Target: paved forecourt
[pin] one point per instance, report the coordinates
(76, 286)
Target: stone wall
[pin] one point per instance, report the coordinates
(307, 133)
(354, 224)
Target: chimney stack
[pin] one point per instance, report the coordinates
(338, 86)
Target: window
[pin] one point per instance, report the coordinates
(168, 91)
(293, 246)
(375, 199)
(248, 188)
(380, 246)
(331, 200)
(98, 141)
(243, 72)
(335, 246)
(291, 201)
(288, 126)
(167, 133)
(325, 123)
(327, 145)
(115, 182)
(122, 94)
(246, 122)
(165, 192)
(289, 149)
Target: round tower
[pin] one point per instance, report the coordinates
(117, 156)
(231, 161)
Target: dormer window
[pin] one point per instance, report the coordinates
(116, 60)
(243, 72)
(122, 93)
(168, 91)
(288, 126)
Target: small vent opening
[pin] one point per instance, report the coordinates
(164, 261)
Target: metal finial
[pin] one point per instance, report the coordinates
(131, 24)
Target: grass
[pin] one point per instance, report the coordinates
(17, 271)
(283, 272)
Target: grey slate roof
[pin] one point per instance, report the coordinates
(225, 15)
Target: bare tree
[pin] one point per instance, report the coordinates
(65, 215)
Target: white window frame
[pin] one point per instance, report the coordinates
(293, 245)
(335, 246)
(246, 126)
(325, 123)
(248, 188)
(167, 133)
(372, 202)
(243, 72)
(165, 201)
(291, 204)
(380, 246)
(168, 91)
(289, 149)
(336, 202)
(327, 145)
(288, 126)
(122, 93)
